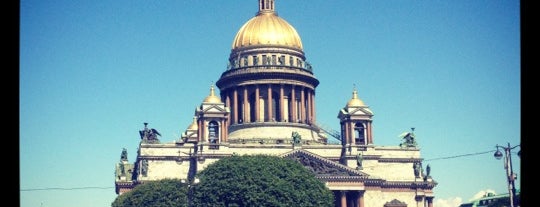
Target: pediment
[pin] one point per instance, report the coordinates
(321, 166)
(360, 111)
(214, 109)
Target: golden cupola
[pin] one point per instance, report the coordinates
(212, 98)
(355, 101)
(267, 28)
(268, 85)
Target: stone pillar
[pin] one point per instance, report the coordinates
(369, 137)
(246, 112)
(313, 106)
(302, 106)
(361, 198)
(293, 106)
(281, 99)
(419, 200)
(235, 107)
(343, 195)
(224, 131)
(201, 130)
(308, 109)
(429, 201)
(270, 107)
(228, 102)
(257, 107)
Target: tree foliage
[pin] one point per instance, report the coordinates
(259, 180)
(160, 193)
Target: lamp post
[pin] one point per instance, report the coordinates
(510, 176)
(193, 157)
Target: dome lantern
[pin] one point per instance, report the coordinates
(267, 29)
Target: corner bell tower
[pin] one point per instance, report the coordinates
(355, 119)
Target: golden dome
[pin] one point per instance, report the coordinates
(194, 125)
(212, 98)
(267, 28)
(355, 101)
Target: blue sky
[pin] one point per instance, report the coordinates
(91, 72)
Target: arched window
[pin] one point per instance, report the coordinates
(359, 133)
(213, 132)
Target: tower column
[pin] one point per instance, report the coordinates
(257, 107)
(281, 98)
(369, 136)
(313, 106)
(361, 198)
(302, 106)
(235, 107)
(292, 112)
(343, 195)
(350, 132)
(308, 106)
(228, 101)
(246, 111)
(270, 107)
(429, 201)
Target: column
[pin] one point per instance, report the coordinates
(281, 99)
(228, 102)
(313, 106)
(369, 135)
(270, 107)
(351, 132)
(246, 112)
(308, 110)
(347, 133)
(302, 106)
(201, 130)
(343, 198)
(235, 107)
(257, 108)
(361, 198)
(429, 201)
(292, 100)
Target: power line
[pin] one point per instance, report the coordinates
(83, 188)
(456, 156)
(76, 188)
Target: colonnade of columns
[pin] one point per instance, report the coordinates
(270, 103)
(350, 198)
(424, 201)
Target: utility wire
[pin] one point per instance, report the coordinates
(83, 188)
(76, 188)
(456, 156)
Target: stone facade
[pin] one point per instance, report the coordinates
(266, 105)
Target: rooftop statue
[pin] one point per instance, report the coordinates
(149, 135)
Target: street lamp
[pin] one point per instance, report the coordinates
(190, 190)
(510, 176)
(193, 157)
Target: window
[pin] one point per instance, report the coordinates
(359, 133)
(255, 60)
(213, 132)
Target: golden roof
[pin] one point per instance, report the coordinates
(267, 28)
(355, 101)
(212, 98)
(194, 125)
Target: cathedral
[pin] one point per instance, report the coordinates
(266, 105)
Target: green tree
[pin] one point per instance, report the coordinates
(160, 193)
(259, 180)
